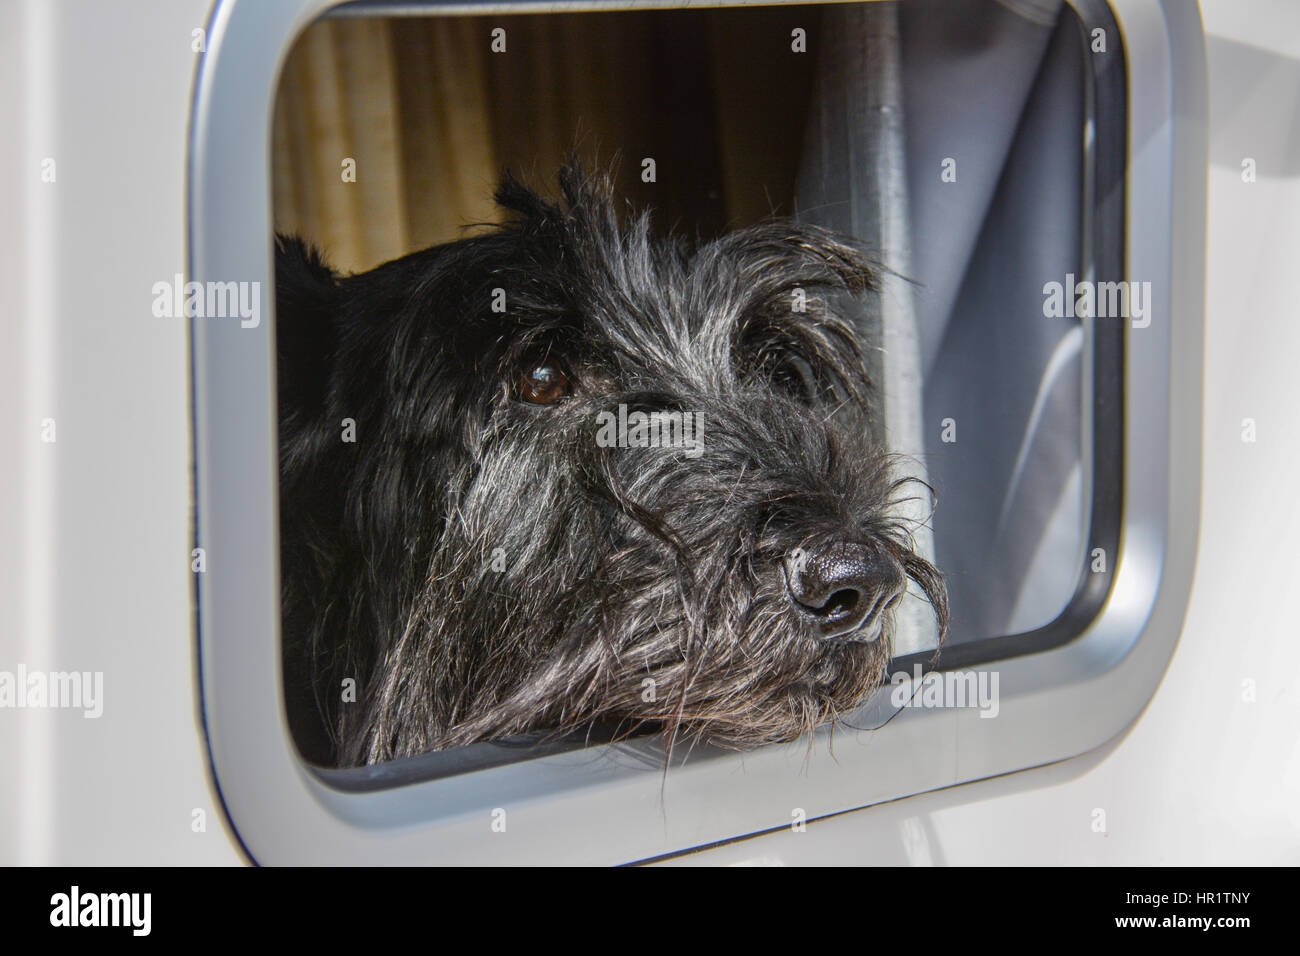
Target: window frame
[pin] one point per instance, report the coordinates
(614, 803)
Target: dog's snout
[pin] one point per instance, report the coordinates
(844, 588)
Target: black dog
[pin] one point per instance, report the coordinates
(568, 473)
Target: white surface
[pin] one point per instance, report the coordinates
(96, 526)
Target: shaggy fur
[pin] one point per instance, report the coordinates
(483, 567)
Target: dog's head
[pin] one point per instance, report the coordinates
(596, 476)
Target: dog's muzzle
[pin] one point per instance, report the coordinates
(844, 589)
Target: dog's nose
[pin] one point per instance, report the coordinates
(844, 588)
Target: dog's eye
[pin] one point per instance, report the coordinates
(544, 383)
(796, 376)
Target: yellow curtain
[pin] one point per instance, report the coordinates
(426, 115)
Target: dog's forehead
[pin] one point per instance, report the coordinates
(612, 292)
(633, 294)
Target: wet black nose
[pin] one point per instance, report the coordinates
(843, 588)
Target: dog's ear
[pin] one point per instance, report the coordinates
(306, 329)
(528, 207)
(588, 203)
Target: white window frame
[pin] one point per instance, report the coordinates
(613, 804)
